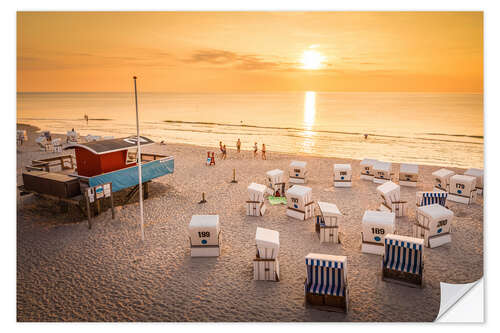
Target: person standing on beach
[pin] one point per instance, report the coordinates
(264, 151)
(255, 149)
(220, 147)
(224, 152)
(238, 146)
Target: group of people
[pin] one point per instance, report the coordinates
(238, 149)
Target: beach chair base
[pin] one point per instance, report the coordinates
(408, 183)
(297, 180)
(253, 209)
(327, 302)
(460, 199)
(372, 248)
(366, 177)
(300, 215)
(403, 278)
(205, 251)
(438, 240)
(380, 180)
(266, 270)
(342, 184)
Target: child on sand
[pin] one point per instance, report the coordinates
(238, 146)
(255, 149)
(264, 151)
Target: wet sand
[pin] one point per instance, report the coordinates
(66, 272)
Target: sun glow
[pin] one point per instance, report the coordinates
(311, 59)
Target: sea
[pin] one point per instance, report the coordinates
(443, 129)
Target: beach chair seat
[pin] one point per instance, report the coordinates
(375, 225)
(403, 260)
(391, 199)
(300, 204)
(266, 264)
(442, 179)
(431, 198)
(298, 172)
(205, 236)
(408, 175)
(433, 224)
(462, 189)
(342, 175)
(479, 174)
(256, 204)
(328, 226)
(325, 286)
(366, 167)
(382, 172)
(275, 181)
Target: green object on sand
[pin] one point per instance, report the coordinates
(277, 200)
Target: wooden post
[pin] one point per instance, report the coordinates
(112, 203)
(98, 202)
(202, 198)
(146, 190)
(234, 177)
(88, 209)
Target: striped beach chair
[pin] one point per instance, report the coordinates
(403, 260)
(431, 198)
(326, 282)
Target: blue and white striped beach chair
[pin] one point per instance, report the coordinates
(431, 198)
(403, 260)
(326, 282)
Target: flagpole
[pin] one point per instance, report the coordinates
(139, 159)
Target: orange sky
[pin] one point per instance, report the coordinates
(250, 51)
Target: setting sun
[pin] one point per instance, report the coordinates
(311, 59)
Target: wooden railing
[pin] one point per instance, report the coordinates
(65, 162)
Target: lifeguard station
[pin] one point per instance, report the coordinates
(256, 204)
(300, 204)
(442, 179)
(342, 175)
(479, 174)
(403, 260)
(326, 282)
(433, 225)
(205, 236)
(375, 226)
(265, 264)
(382, 172)
(408, 174)
(327, 222)
(462, 189)
(275, 181)
(366, 166)
(297, 172)
(391, 199)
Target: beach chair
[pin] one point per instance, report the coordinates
(408, 175)
(479, 174)
(326, 285)
(256, 204)
(275, 182)
(433, 225)
(266, 264)
(442, 179)
(366, 166)
(391, 199)
(71, 137)
(431, 198)
(57, 145)
(375, 226)
(403, 260)
(462, 189)
(21, 137)
(298, 172)
(300, 204)
(205, 236)
(327, 222)
(342, 175)
(92, 138)
(382, 172)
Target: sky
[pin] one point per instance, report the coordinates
(250, 51)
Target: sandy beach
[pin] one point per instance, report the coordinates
(66, 272)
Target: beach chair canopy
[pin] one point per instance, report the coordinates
(256, 190)
(268, 243)
(275, 176)
(403, 253)
(382, 166)
(368, 162)
(204, 229)
(328, 209)
(342, 171)
(435, 212)
(375, 217)
(390, 191)
(443, 173)
(408, 168)
(326, 274)
(298, 164)
(478, 173)
(299, 191)
(430, 198)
